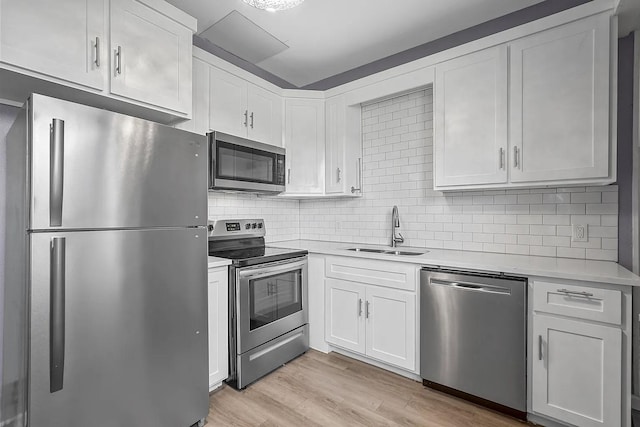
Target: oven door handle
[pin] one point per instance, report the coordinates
(270, 269)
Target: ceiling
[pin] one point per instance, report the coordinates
(324, 38)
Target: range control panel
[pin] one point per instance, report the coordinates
(235, 228)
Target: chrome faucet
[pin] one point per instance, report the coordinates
(395, 223)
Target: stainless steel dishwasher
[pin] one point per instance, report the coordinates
(473, 329)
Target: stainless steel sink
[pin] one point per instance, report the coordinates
(376, 251)
(405, 253)
(386, 251)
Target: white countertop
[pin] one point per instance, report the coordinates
(214, 261)
(560, 268)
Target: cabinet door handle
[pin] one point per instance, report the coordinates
(582, 294)
(338, 180)
(539, 347)
(97, 51)
(246, 117)
(359, 174)
(366, 310)
(119, 60)
(251, 120)
(289, 176)
(516, 157)
(501, 158)
(359, 307)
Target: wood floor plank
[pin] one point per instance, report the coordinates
(318, 389)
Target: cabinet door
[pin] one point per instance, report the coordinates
(199, 122)
(304, 142)
(56, 38)
(577, 371)
(344, 321)
(559, 103)
(218, 326)
(151, 57)
(228, 111)
(335, 145)
(391, 326)
(343, 150)
(265, 116)
(470, 119)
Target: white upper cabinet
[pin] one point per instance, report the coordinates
(151, 56)
(470, 109)
(130, 56)
(199, 122)
(552, 127)
(227, 103)
(265, 116)
(64, 40)
(559, 100)
(305, 143)
(343, 149)
(243, 109)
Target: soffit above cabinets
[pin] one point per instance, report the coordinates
(328, 37)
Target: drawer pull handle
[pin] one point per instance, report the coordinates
(582, 294)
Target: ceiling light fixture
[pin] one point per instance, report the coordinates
(273, 5)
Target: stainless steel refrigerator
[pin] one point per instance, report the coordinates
(105, 304)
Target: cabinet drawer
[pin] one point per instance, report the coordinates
(374, 272)
(601, 305)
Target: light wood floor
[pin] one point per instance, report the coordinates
(319, 389)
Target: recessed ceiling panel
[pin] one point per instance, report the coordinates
(237, 34)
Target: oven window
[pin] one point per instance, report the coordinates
(274, 297)
(244, 164)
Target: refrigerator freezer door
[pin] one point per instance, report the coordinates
(97, 169)
(133, 308)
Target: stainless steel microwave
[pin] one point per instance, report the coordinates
(239, 164)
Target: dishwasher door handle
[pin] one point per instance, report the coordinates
(470, 286)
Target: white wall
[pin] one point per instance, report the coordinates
(397, 163)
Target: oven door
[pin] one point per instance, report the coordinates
(271, 301)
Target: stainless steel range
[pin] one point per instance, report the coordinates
(267, 299)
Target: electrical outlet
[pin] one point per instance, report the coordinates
(579, 232)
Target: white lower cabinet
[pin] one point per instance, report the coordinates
(577, 370)
(345, 326)
(579, 365)
(218, 319)
(371, 320)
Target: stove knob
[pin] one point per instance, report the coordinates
(254, 225)
(247, 226)
(259, 225)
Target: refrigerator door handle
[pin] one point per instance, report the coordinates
(57, 314)
(56, 172)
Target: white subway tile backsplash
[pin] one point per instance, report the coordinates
(595, 197)
(397, 170)
(602, 209)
